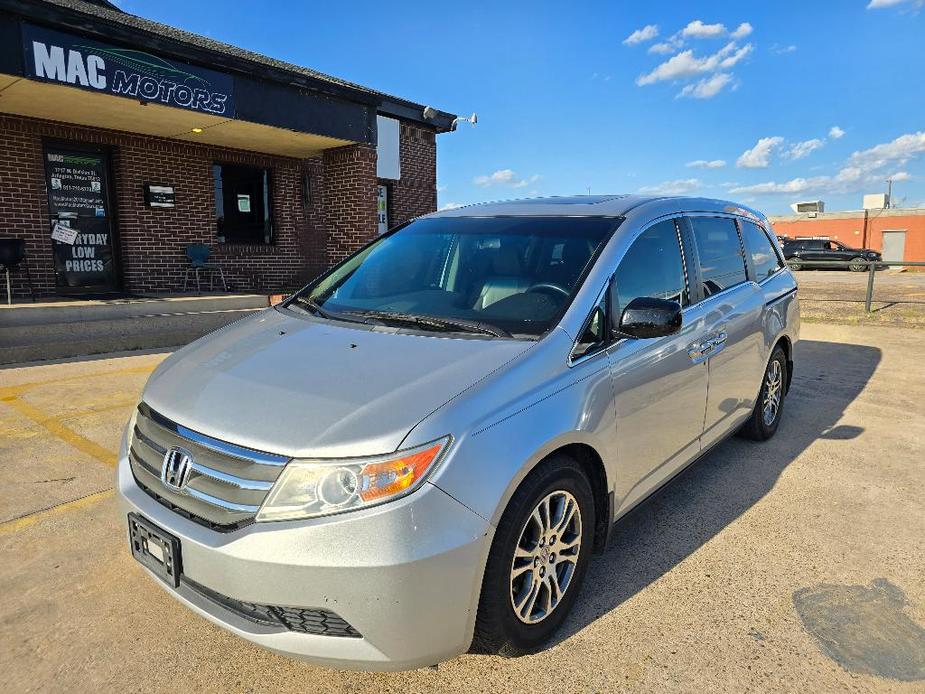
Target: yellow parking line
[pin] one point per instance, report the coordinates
(11, 526)
(123, 405)
(19, 389)
(53, 426)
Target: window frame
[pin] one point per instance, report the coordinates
(606, 292)
(694, 252)
(268, 203)
(775, 247)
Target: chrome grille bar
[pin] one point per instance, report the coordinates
(216, 445)
(239, 482)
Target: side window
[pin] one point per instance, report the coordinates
(652, 267)
(722, 263)
(760, 250)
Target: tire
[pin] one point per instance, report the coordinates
(857, 265)
(795, 265)
(759, 427)
(498, 628)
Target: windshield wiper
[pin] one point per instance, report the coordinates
(312, 306)
(461, 324)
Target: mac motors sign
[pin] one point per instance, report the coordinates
(53, 56)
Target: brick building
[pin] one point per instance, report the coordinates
(897, 233)
(144, 139)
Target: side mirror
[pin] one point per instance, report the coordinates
(645, 317)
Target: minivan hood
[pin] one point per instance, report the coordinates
(314, 388)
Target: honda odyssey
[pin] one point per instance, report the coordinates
(417, 454)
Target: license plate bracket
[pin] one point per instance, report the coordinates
(156, 549)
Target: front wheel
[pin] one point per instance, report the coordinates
(538, 560)
(795, 265)
(766, 416)
(858, 265)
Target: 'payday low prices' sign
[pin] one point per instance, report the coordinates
(53, 56)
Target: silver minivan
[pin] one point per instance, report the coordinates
(418, 454)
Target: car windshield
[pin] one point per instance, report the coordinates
(499, 275)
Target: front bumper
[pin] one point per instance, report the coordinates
(406, 575)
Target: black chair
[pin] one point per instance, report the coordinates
(12, 254)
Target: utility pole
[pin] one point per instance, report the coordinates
(889, 192)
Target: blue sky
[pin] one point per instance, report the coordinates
(816, 99)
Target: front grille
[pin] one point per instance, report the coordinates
(313, 620)
(227, 483)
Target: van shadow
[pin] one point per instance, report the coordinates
(734, 476)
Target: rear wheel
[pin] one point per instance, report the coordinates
(795, 264)
(538, 560)
(766, 416)
(858, 265)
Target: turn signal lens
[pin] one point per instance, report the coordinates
(309, 488)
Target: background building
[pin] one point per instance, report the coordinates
(897, 233)
(143, 139)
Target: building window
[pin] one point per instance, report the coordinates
(242, 204)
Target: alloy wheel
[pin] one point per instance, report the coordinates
(773, 383)
(545, 557)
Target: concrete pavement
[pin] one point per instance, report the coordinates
(794, 565)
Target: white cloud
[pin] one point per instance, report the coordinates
(523, 183)
(450, 206)
(647, 33)
(505, 177)
(743, 30)
(663, 48)
(781, 50)
(864, 168)
(440, 188)
(708, 87)
(899, 151)
(705, 164)
(685, 64)
(799, 150)
(681, 186)
(881, 4)
(699, 30)
(836, 133)
(499, 176)
(846, 180)
(759, 156)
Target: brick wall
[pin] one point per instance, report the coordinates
(339, 217)
(856, 230)
(349, 177)
(416, 192)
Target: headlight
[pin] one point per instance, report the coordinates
(309, 488)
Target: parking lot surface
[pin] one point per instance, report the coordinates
(839, 295)
(793, 565)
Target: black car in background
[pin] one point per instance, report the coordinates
(804, 253)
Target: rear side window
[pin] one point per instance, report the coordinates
(761, 251)
(722, 263)
(652, 267)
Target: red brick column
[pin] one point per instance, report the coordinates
(349, 204)
(415, 193)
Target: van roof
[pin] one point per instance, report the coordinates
(594, 206)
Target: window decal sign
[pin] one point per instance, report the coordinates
(63, 233)
(78, 204)
(382, 209)
(54, 56)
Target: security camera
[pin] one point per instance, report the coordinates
(473, 119)
(430, 112)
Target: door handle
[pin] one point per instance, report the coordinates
(698, 351)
